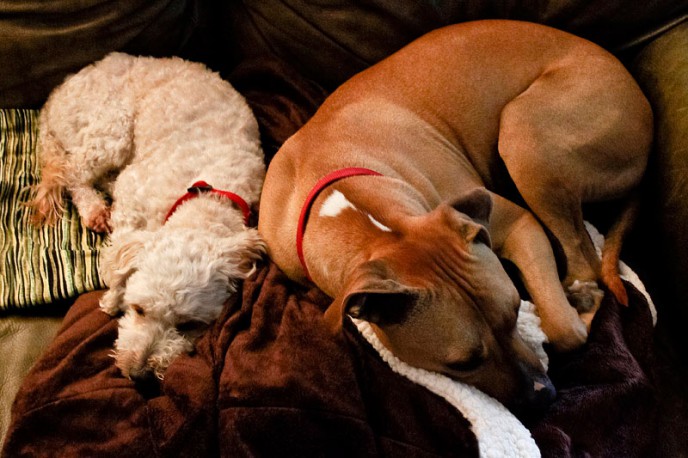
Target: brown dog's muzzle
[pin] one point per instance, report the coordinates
(538, 393)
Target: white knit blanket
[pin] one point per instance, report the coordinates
(498, 431)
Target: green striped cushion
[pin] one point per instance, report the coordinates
(37, 265)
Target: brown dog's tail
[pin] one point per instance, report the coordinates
(612, 249)
(47, 204)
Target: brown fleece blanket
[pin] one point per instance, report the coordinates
(268, 379)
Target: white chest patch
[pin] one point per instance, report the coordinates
(378, 224)
(335, 204)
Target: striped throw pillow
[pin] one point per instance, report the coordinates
(37, 265)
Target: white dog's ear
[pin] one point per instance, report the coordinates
(241, 253)
(118, 263)
(119, 257)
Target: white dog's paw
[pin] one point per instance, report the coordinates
(99, 221)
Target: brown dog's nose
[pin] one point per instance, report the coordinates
(542, 394)
(537, 394)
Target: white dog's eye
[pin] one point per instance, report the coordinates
(139, 310)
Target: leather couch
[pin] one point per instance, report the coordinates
(328, 41)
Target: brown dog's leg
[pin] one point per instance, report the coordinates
(576, 134)
(92, 142)
(518, 237)
(555, 199)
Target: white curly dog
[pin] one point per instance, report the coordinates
(152, 135)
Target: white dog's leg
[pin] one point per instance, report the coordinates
(97, 135)
(93, 209)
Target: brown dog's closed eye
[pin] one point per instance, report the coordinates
(474, 361)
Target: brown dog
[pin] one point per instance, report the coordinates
(407, 243)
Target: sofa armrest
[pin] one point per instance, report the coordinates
(22, 341)
(662, 70)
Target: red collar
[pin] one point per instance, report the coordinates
(202, 187)
(315, 191)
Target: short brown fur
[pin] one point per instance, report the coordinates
(464, 108)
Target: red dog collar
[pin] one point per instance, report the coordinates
(202, 187)
(315, 191)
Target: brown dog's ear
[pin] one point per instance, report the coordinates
(474, 232)
(477, 204)
(374, 295)
(382, 308)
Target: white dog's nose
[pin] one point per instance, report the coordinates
(145, 347)
(141, 374)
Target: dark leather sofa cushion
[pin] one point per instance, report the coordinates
(42, 42)
(329, 40)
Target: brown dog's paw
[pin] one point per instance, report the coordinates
(567, 332)
(585, 296)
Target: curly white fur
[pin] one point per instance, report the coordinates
(143, 130)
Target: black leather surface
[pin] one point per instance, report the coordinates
(42, 42)
(330, 40)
